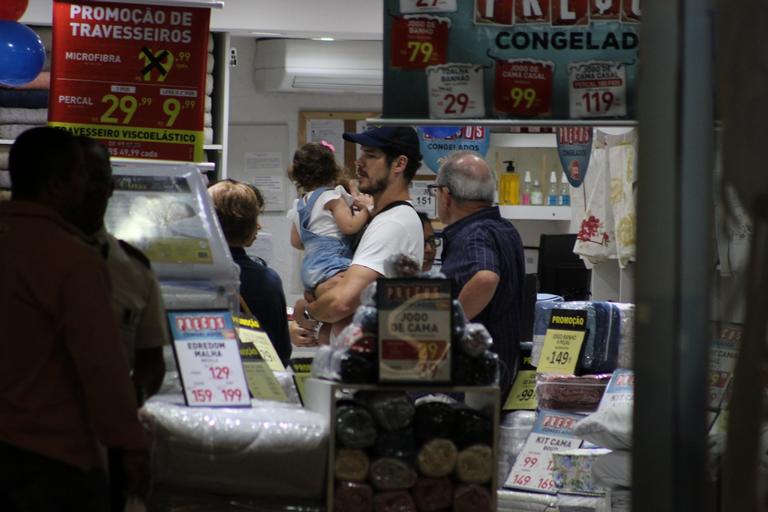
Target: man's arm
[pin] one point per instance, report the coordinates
(478, 292)
(148, 371)
(342, 300)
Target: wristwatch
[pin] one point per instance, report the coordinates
(309, 317)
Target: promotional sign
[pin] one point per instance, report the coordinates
(597, 89)
(563, 341)
(417, 6)
(620, 390)
(437, 142)
(574, 146)
(523, 87)
(456, 91)
(414, 330)
(552, 432)
(302, 370)
(523, 392)
(208, 357)
(419, 41)
(539, 59)
(132, 76)
(252, 343)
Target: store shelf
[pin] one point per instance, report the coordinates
(214, 146)
(524, 140)
(500, 122)
(519, 212)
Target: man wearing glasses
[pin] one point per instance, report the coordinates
(482, 253)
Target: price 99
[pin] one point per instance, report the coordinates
(520, 94)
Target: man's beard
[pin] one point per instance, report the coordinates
(375, 187)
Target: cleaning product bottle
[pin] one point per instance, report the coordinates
(565, 191)
(553, 192)
(525, 194)
(509, 185)
(537, 197)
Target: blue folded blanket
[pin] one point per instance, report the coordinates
(26, 98)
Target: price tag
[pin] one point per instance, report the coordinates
(262, 382)
(563, 341)
(597, 89)
(422, 201)
(456, 91)
(302, 367)
(722, 361)
(249, 331)
(132, 75)
(206, 350)
(524, 87)
(552, 432)
(523, 392)
(414, 330)
(620, 390)
(419, 41)
(416, 6)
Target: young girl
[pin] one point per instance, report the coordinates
(323, 218)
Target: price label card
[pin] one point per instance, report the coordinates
(417, 6)
(419, 41)
(552, 432)
(414, 330)
(302, 370)
(524, 87)
(620, 390)
(563, 341)
(722, 361)
(523, 392)
(597, 89)
(208, 357)
(131, 75)
(456, 91)
(422, 201)
(249, 331)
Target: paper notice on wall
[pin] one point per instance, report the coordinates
(266, 171)
(328, 130)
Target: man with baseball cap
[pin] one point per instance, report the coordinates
(387, 163)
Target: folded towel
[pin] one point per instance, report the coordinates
(11, 131)
(28, 98)
(208, 83)
(23, 115)
(209, 63)
(207, 135)
(208, 120)
(208, 104)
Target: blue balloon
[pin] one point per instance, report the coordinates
(22, 53)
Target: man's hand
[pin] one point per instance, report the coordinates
(300, 336)
(299, 317)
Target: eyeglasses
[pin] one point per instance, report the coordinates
(431, 189)
(433, 241)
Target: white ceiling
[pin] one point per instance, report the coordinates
(342, 19)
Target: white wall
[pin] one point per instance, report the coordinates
(281, 110)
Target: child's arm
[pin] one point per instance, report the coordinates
(295, 238)
(348, 223)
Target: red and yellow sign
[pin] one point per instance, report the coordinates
(524, 87)
(419, 41)
(132, 76)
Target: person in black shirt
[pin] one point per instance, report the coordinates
(238, 206)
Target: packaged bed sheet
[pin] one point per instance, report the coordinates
(606, 322)
(246, 452)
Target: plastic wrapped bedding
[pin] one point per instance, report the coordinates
(576, 503)
(572, 471)
(518, 501)
(248, 452)
(609, 427)
(613, 469)
(606, 322)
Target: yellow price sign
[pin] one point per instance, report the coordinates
(263, 345)
(563, 341)
(425, 49)
(520, 94)
(523, 392)
(262, 382)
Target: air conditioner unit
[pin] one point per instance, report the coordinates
(303, 65)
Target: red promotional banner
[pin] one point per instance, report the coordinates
(606, 10)
(630, 11)
(494, 11)
(570, 12)
(132, 76)
(531, 11)
(523, 87)
(419, 41)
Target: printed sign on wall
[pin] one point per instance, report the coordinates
(131, 75)
(564, 59)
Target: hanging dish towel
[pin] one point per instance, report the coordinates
(594, 239)
(622, 161)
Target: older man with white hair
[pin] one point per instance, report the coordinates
(482, 253)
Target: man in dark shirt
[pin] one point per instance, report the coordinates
(238, 206)
(482, 254)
